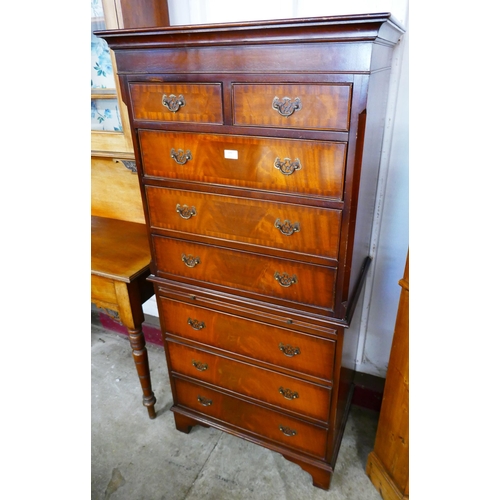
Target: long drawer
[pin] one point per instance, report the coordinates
(278, 346)
(311, 106)
(177, 102)
(259, 421)
(286, 165)
(269, 277)
(295, 228)
(290, 393)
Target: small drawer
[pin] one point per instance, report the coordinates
(290, 393)
(175, 102)
(294, 228)
(103, 289)
(264, 277)
(254, 419)
(311, 106)
(285, 165)
(278, 346)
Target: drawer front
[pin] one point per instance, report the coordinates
(267, 276)
(265, 385)
(295, 166)
(103, 289)
(279, 346)
(189, 103)
(313, 106)
(254, 419)
(305, 230)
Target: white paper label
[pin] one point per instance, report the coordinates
(230, 154)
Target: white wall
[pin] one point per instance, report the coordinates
(391, 230)
(225, 11)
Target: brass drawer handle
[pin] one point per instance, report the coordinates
(286, 227)
(204, 401)
(286, 107)
(288, 350)
(288, 394)
(201, 367)
(190, 261)
(285, 280)
(172, 102)
(180, 157)
(185, 212)
(287, 166)
(287, 431)
(195, 324)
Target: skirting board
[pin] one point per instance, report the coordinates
(381, 479)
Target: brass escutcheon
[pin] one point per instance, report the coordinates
(286, 227)
(173, 103)
(201, 367)
(287, 431)
(285, 280)
(286, 107)
(288, 394)
(204, 401)
(190, 261)
(288, 350)
(287, 166)
(180, 157)
(185, 212)
(195, 324)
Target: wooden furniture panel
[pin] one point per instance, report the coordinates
(292, 228)
(260, 421)
(291, 166)
(292, 106)
(120, 261)
(279, 346)
(264, 59)
(216, 177)
(115, 190)
(269, 277)
(120, 253)
(103, 290)
(142, 13)
(388, 463)
(193, 103)
(120, 249)
(289, 393)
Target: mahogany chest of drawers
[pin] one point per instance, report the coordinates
(257, 147)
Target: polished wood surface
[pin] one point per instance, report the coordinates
(289, 393)
(120, 253)
(261, 342)
(256, 419)
(220, 177)
(120, 260)
(246, 272)
(313, 167)
(388, 463)
(143, 13)
(202, 102)
(322, 106)
(303, 231)
(120, 249)
(115, 190)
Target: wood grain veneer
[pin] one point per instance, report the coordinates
(277, 124)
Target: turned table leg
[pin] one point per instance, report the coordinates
(132, 317)
(141, 360)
